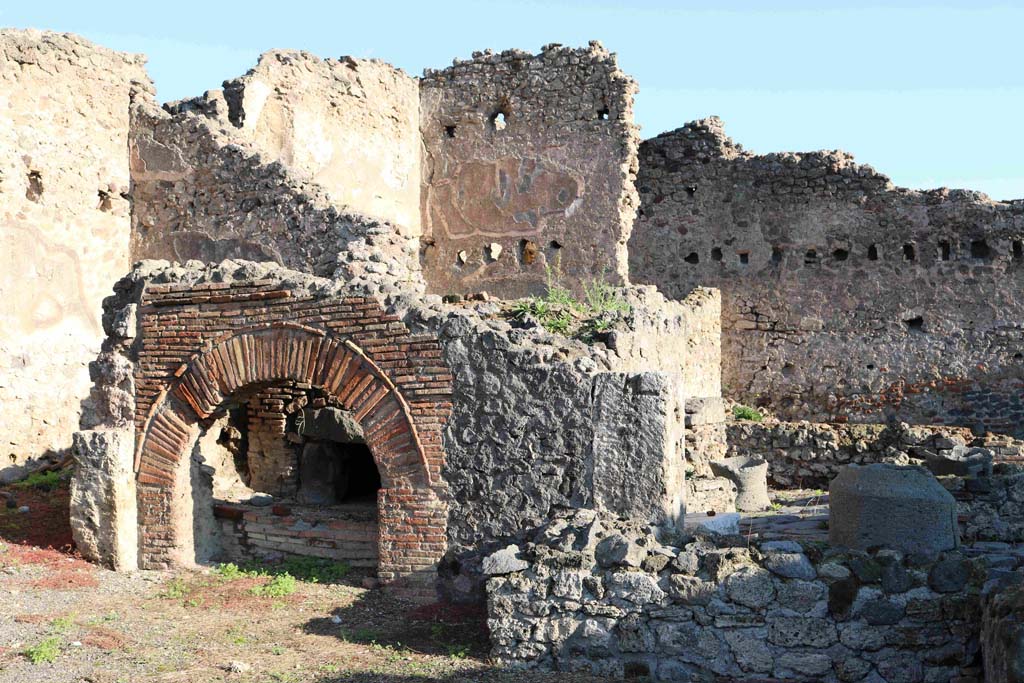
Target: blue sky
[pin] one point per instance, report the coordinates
(930, 93)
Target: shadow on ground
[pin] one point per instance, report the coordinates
(377, 618)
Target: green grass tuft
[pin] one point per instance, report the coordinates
(560, 312)
(278, 587)
(747, 413)
(41, 480)
(44, 652)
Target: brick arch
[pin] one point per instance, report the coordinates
(411, 508)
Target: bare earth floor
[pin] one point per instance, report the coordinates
(104, 627)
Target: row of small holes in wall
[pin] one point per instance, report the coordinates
(979, 250)
(499, 120)
(528, 252)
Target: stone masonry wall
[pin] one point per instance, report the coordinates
(592, 594)
(809, 455)
(202, 190)
(349, 125)
(843, 297)
(528, 162)
(542, 423)
(64, 227)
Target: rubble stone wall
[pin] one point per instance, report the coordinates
(528, 163)
(843, 297)
(202, 190)
(64, 227)
(606, 597)
(809, 455)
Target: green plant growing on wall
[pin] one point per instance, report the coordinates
(560, 312)
(741, 412)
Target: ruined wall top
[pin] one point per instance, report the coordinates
(529, 161)
(844, 297)
(824, 173)
(350, 125)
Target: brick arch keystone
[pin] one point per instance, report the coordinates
(411, 505)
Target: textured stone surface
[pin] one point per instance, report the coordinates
(637, 451)
(716, 494)
(534, 153)
(103, 503)
(902, 508)
(750, 474)
(843, 296)
(718, 612)
(64, 227)
(504, 561)
(204, 190)
(1002, 633)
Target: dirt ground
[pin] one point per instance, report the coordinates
(82, 623)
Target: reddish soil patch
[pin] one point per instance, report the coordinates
(104, 638)
(31, 619)
(67, 579)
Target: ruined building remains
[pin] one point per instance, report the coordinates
(468, 334)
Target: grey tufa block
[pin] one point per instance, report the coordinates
(881, 505)
(330, 424)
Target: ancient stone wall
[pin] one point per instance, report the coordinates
(64, 227)
(203, 190)
(528, 163)
(606, 597)
(542, 423)
(843, 297)
(809, 455)
(349, 125)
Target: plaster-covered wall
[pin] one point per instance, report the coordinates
(528, 162)
(64, 227)
(202, 190)
(349, 125)
(843, 297)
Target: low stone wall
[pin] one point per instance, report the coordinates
(345, 533)
(590, 594)
(990, 508)
(809, 454)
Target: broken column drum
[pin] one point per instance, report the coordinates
(882, 505)
(750, 474)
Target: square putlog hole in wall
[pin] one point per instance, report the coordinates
(980, 250)
(915, 324)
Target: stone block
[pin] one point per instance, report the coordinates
(330, 424)
(638, 466)
(103, 506)
(902, 508)
(714, 494)
(504, 561)
(960, 461)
